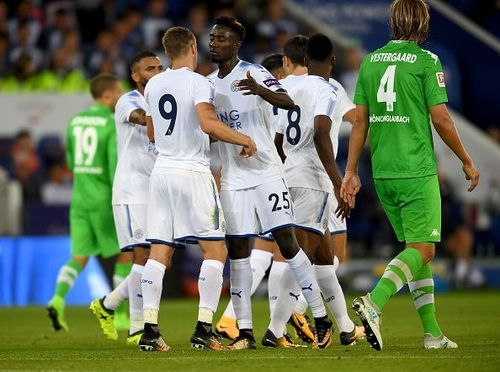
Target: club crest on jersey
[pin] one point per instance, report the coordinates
(440, 79)
(234, 88)
(139, 234)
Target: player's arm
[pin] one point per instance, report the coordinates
(138, 116)
(278, 142)
(350, 116)
(324, 147)
(351, 183)
(278, 98)
(70, 160)
(150, 129)
(445, 127)
(218, 130)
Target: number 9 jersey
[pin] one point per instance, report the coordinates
(171, 97)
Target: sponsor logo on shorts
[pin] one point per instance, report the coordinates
(440, 79)
(139, 234)
(435, 232)
(223, 226)
(325, 224)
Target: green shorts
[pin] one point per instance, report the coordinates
(413, 206)
(93, 233)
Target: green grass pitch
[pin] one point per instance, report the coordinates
(471, 319)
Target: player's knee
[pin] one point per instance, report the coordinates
(141, 255)
(287, 243)
(238, 248)
(427, 251)
(81, 260)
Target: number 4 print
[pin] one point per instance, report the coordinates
(386, 91)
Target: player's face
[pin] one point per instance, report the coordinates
(146, 69)
(223, 45)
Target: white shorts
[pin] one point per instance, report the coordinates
(130, 222)
(183, 206)
(336, 225)
(257, 210)
(312, 209)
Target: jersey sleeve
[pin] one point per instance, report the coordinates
(124, 107)
(344, 103)
(325, 103)
(112, 151)
(203, 90)
(434, 84)
(264, 77)
(360, 97)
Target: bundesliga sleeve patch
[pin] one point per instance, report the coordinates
(440, 79)
(270, 82)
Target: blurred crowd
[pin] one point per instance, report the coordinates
(57, 45)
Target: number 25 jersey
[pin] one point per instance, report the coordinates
(249, 115)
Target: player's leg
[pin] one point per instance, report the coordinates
(160, 259)
(141, 255)
(276, 215)
(103, 226)
(419, 229)
(260, 260)
(333, 294)
(239, 212)
(82, 247)
(161, 214)
(209, 287)
(273, 284)
(123, 267)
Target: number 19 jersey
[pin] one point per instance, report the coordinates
(313, 96)
(171, 97)
(399, 83)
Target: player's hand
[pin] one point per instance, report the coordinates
(249, 86)
(249, 150)
(351, 185)
(343, 209)
(472, 174)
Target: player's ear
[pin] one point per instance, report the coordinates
(135, 76)
(332, 62)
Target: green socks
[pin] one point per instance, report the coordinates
(398, 272)
(66, 278)
(422, 292)
(119, 275)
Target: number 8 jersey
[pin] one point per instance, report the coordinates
(171, 97)
(91, 155)
(313, 96)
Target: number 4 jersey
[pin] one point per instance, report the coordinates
(91, 155)
(399, 83)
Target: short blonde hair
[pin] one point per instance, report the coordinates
(177, 40)
(410, 20)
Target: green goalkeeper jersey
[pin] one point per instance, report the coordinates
(91, 154)
(399, 83)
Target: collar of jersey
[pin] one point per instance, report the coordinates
(100, 106)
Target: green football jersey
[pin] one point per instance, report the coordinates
(91, 154)
(399, 83)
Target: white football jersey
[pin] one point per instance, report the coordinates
(131, 182)
(343, 105)
(171, 97)
(313, 96)
(249, 115)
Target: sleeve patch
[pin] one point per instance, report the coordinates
(440, 79)
(270, 82)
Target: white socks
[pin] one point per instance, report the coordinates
(118, 295)
(289, 293)
(259, 262)
(135, 298)
(303, 272)
(209, 286)
(152, 285)
(273, 283)
(334, 296)
(241, 287)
